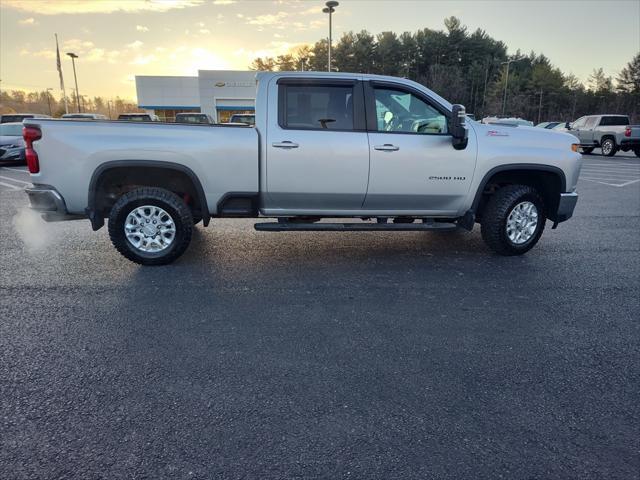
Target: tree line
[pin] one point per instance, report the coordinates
(469, 68)
(19, 101)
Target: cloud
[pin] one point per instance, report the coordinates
(204, 31)
(268, 19)
(144, 59)
(135, 45)
(223, 2)
(77, 45)
(28, 22)
(142, 28)
(49, 7)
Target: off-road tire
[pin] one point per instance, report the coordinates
(637, 152)
(587, 150)
(609, 152)
(168, 201)
(496, 213)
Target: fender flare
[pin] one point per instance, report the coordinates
(515, 167)
(97, 221)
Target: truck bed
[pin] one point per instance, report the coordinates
(223, 157)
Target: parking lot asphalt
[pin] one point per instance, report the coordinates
(325, 355)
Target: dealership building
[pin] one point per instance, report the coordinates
(219, 93)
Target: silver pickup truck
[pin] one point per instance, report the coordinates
(385, 152)
(610, 133)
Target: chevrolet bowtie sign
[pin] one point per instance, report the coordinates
(234, 84)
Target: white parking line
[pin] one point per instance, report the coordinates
(13, 187)
(15, 180)
(610, 184)
(608, 174)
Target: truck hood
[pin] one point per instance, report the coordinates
(522, 136)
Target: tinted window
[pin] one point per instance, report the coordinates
(14, 118)
(318, 107)
(398, 111)
(248, 119)
(11, 130)
(135, 118)
(614, 121)
(192, 119)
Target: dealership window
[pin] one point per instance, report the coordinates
(327, 107)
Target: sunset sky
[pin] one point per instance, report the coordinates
(117, 39)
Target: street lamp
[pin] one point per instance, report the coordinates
(330, 8)
(49, 100)
(506, 83)
(73, 61)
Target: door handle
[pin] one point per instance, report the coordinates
(387, 147)
(285, 144)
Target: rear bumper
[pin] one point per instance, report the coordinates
(566, 205)
(46, 200)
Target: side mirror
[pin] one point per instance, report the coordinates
(459, 132)
(567, 125)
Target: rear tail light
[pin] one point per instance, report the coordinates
(30, 135)
(627, 132)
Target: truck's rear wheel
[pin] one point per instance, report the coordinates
(608, 147)
(513, 220)
(150, 226)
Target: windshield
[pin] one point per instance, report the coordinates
(11, 130)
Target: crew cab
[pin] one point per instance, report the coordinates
(610, 133)
(330, 152)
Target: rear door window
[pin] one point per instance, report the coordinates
(317, 107)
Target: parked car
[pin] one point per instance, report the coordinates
(85, 116)
(562, 127)
(507, 121)
(194, 118)
(610, 133)
(19, 117)
(326, 145)
(138, 117)
(243, 118)
(548, 125)
(11, 143)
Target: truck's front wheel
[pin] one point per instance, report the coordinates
(513, 220)
(150, 226)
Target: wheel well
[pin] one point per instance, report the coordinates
(548, 184)
(604, 137)
(115, 181)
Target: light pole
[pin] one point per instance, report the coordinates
(49, 100)
(73, 61)
(506, 83)
(330, 8)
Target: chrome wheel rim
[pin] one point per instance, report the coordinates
(522, 222)
(607, 146)
(149, 229)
